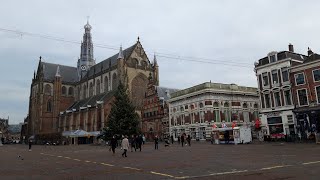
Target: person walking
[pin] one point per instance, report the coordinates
(182, 140)
(171, 139)
(133, 143)
(30, 144)
(179, 140)
(156, 142)
(113, 144)
(139, 142)
(143, 139)
(125, 146)
(189, 140)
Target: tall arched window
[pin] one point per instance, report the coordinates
(106, 84)
(98, 87)
(216, 112)
(114, 81)
(49, 106)
(84, 95)
(201, 105)
(245, 105)
(91, 89)
(47, 89)
(227, 112)
(64, 90)
(70, 93)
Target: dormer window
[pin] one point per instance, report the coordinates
(272, 58)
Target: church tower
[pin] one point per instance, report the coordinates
(86, 55)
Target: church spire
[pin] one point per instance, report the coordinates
(120, 56)
(86, 54)
(155, 63)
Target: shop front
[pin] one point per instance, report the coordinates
(308, 123)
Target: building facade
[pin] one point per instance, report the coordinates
(4, 129)
(155, 113)
(65, 98)
(194, 110)
(275, 90)
(305, 80)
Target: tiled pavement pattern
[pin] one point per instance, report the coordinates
(200, 161)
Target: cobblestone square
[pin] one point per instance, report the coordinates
(200, 161)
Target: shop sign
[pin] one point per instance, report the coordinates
(272, 114)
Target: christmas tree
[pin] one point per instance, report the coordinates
(123, 119)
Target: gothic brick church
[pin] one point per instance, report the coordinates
(65, 98)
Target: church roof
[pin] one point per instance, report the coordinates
(165, 92)
(68, 74)
(92, 101)
(103, 65)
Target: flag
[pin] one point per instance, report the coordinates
(214, 126)
(224, 125)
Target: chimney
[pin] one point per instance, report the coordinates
(309, 51)
(291, 48)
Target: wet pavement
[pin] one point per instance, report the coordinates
(199, 161)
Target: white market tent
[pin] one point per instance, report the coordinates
(80, 133)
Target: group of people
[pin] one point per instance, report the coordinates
(182, 139)
(135, 142)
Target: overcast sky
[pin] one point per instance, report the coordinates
(219, 31)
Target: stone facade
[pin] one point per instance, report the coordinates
(4, 125)
(194, 110)
(64, 98)
(275, 91)
(155, 113)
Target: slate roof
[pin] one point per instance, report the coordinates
(162, 92)
(282, 55)
(91, 100)
(312, 57)
(111, 61)
(68, 74)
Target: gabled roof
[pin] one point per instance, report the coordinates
(165, 92)
(68, 74)
(111, 61)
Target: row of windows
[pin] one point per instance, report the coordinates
(266, 101)
(215, 105)
(303, 96)
(64, 90)
(228, 117)
(275, 76)
(98, 87)
(300, 79)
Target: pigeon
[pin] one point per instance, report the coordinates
(20, 157)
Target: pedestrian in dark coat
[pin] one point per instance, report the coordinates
(133, 143)
(30, 144)
(113, 144)
(189, 140)
(171, 139)
(156, 142)
(182, 140)
(139, 142)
